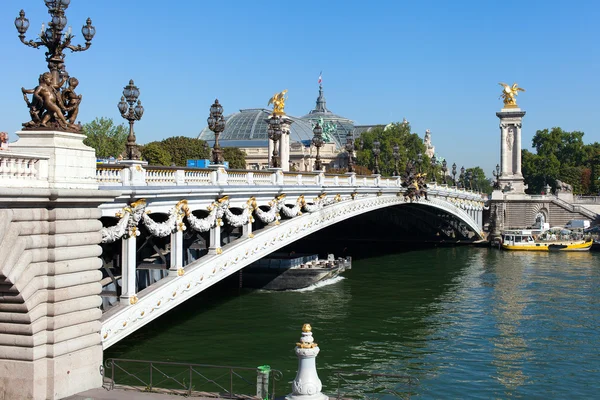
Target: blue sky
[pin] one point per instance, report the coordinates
(436, 63)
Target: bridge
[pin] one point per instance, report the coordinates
(72, 232)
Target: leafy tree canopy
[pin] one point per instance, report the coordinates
(182, 148)
(410, 144)
(561, 155)
(235, 156)
(105, 137)
(156, 154)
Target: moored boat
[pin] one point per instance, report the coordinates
(289, 272)
(523, 240)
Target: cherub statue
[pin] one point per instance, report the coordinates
(509, 94)
(278, 101)
(46, 104)
(71, 101)
(3, 141)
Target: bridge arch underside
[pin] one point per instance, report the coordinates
(370, 218)
(387, 229)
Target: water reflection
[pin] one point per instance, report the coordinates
(509, 299)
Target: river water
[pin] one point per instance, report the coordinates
(466, 322)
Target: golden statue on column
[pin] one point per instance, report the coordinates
(509, 94)
(278, 101)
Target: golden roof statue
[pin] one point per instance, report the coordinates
(278, 101)
(509, 94)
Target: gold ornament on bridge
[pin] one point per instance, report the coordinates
(509, 94)
(278, 101)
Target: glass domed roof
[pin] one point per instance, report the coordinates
(248, 128)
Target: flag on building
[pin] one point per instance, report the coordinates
(320, 77)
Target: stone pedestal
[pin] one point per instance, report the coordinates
(136, 172)
(511, 178)
(306, 384)
(49, 291)
(71, 164)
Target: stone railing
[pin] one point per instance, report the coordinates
(121, 175)
(23, 170)
(587, 199)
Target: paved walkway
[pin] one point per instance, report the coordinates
(119, 394)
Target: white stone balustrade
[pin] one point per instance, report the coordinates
(23, 170)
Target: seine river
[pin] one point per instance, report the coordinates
(466, 322)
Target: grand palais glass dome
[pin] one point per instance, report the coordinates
(248, 128)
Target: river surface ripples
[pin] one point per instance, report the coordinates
(466, 322)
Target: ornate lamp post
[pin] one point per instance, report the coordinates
(376, 152)
(461, 177)
(350, 150)
(216, 123)
(274, 132)
(496, 175)
(53, 37)
(445, 171)
(396, 155)
(50, 113)
(470, 179)
(433, 164)
(454, 173)
(131, 112)
(419, 161)
(317, 140)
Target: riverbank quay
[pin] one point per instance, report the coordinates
(123, 394)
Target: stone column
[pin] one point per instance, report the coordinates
(284, 143)
(128, 270)
(510, 150)
(176, 256)
(215, 238)
(306, 384)
(247, 229)
(270, 153)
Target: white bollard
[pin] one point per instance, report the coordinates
(307, 385)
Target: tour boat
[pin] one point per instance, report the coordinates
(293, 271)
(524, 240)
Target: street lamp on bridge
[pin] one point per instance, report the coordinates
(496, 175)
(461, 177)
(396, 154)
(444, 171)
(274, 133)
(376, 152)
(131, 112)
(433, 164)
(454, 174)
(216, 123)
(317, 141)
(350, 150)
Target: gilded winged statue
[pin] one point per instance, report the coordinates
(278, 101)
(509, 94)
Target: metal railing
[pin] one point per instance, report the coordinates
(191, 379)
(364, 385)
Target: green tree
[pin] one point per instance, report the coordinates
(156, 154)
(182, 148)
(105, 137)
(410, 144)
(479, 180)
(561, 155)
(235, 156)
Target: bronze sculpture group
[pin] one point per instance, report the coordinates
(414, 182)
(53, 106)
